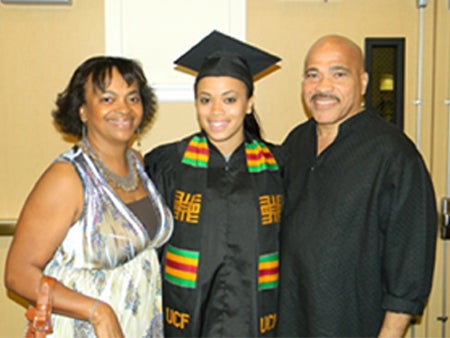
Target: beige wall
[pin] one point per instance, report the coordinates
(40, 46)
(44, 44)
(289, 27)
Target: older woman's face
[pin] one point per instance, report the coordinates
(112, 115)
(222, 103)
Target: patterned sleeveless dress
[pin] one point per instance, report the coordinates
(107, 254)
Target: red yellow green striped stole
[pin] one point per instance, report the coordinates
(258, 155)
(197, 152)
(181, 267)
(268, 271)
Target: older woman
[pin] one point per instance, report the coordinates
(94, 219)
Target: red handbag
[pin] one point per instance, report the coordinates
(39, 316)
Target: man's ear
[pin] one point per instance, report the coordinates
(364, 82)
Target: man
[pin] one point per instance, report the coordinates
(359, 230)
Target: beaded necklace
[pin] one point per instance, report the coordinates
(127, 183)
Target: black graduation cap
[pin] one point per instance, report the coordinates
(218, 55)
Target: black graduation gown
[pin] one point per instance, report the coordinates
(220, 242)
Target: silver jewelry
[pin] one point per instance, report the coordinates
(83, 130)
(91, 314)
(138, 138)
(127, 183)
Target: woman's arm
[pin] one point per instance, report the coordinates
(54, 204)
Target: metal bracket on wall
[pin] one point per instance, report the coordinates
(445, 218)
(422, 3)
(7, 227)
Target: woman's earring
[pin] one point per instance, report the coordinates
(138, 139)
(83, 131)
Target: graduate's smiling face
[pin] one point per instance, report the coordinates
(222, 103)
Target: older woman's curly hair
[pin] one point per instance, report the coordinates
(66, 116)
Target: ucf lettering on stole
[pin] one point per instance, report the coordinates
(268, 323)
(176, 318)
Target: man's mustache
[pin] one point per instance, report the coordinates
(324, 96)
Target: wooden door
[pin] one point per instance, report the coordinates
(435, 321)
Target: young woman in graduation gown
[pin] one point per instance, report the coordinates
(224, 187)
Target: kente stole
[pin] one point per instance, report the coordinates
(182, 261)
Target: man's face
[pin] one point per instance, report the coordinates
(334, 82)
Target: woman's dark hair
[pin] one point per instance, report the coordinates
(100, 68)
(236, 67)
(251, 125)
